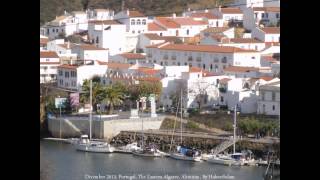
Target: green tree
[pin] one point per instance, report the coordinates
(113, 96)
(74, 39)
(98, 93)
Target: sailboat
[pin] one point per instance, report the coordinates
(235, 158)
(86, 144)
(182, 152)
(146, 151)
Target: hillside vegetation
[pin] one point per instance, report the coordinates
(49, 9)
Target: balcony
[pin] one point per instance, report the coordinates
(190, 58)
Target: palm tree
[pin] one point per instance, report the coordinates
(113, 97)
(98, 94)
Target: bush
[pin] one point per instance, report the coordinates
(192, 125)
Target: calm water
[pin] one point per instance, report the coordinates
(62, 162)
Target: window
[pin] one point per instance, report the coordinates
(138, 22)
(61, 30)
(133, 22)
(174, 63)
(133, 32)
(198, 58)
(253, 57)
(190, 58)
(224, 60)
(273, 107)
(61, 82)
(267, 15)
(66, 74)
(262, 95)
(178, 63)
(217, 23)
(203, 66)
(166, 63)
(256, 48)
(52, 30)
(57, 30)
(216, 60)
(160, 34)
(278, 15)
(185, 64)
(199, 65)
(144, 22)
(139, 32)
(262, 15)
(60, 73)
(221, 99)
(161, 63)
(165, 56)
(97, 40)
(48, 31)
(273, 96)
(154, 61)
(187, 31)
(47, 60)
(211, 67)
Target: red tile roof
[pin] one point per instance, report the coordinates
(204, 48)
(224, 80)
(167, 22)
(267, 9)
(268, 58)
(44, 41)
(241, 69)
(156, 45)
(194, 69)
(148, 71)
(65, 45)
(271, 30)
(186, 21)
(231, 11)
(245, 40)
(136, 14)
(153, 36)
(155, 27)
(106, 22)
(133, 56)
(266, 78)
(205, 15)
(67, 66)
(48, 54)
(220, 37)
(268, 44)
(113, 65)
(216, 29)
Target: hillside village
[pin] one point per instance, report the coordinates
(200, 51)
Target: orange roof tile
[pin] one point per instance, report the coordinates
(89, 47)
(153, 36)
(266, 78)
(194, 69)
(133, 56)
(167, 22)
(136, 14)
(67, 66)
(44, 41)
(267, 9)
(231, 11)
(271, 30)
(155, 27)
(204, 48)
(113, 65)
(106, 22)
(216, 29)
(245, 40)
(156, 45)
(65, 45)
(186, 21)
(241, 69)
(148, 71)
(48, 54)
(205, 15)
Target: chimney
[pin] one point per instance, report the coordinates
(206, 10)
(68, 45)
(174, 15)
(219, 8)
(65, 12)
(127, 12)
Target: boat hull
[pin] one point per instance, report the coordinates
(185, 158)
(96, 149)
(146, 154)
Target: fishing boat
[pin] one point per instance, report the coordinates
(84, 143)
(129, 148)
(182, 152)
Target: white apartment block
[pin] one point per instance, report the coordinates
(134, 21)
(269, 98)
(100, 14)
(229, 15)
(261, 16)
(130, 58)
(267, 34)
(243, 43)
(49, 61)
(208, 57)
(108, 34)
(71, 77)
(90, 52)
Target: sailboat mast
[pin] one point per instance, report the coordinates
(142, 134)
(90, 115)
(234, 128)
(181, 116)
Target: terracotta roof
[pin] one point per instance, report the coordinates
(48, 54)
(170, 38)
(156, 45)
(216, 29)
(106, 22)
(204, 48)
(206, 15)
(44, 40)
(65, 45)
(266, 78)
(89, 47)
(224, 80)
(133, 56)
(148, 71)
(220, 37)
(245, 40)
(136, 14)
(59, 18)
(207, 74)
(186, 21)
(195, 69)
(155, 27)
(67, 66)
(153, 36)
(113, 65)
(50, 62)
(271, 30)
(231, 11)
(267, 9)
(240, 69)
(167, 22)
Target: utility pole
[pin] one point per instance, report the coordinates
(181, 115)
(90, 115)
(234, 128)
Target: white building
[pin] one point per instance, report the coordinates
(157, 29)
(229, 15)
(100, 14)
(247, 72)
(267, 34)
(148, 39)
(208, 57)
(257, 16)
(243, 43)
(63, 49)
(248, 3)
(90, 52)
(108, 34)
(43, 42)
(269, 98)
(130, 58)
(71, 77)
(49, 61)
(226, 31)
(135, 21)
(213, 20)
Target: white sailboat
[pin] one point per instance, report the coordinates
(146, 151)
(85, 143)
(184, 153)
(234, 158)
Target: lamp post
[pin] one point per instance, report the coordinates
(60, 118)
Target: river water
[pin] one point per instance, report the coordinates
(59, 161)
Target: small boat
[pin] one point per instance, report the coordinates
(225, 159)
(84, 144)
(186, 154)
(129, 148)
(147, 152)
